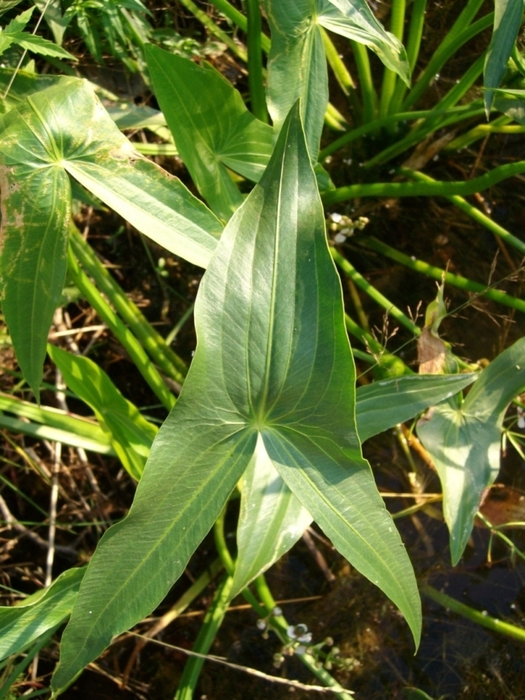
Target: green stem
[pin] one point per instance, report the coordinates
(466, 16)
(393, 365)
(279, 622)
(433, 122)
(373, 293)
(474, 213)
(450, 45)
(168, 361)
(458, 113)
(479, 618)
(255, 67)
(397, 25)
(432, 188)
(364, 72)
(415, 34)
(439, 274)
(266, 608)
(210, 25)
(498, 126)
(207, 633)
(120, 331)
(229, 11)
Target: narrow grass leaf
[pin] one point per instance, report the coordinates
(211, 126)
(131, 434)
(508, 16)
(22, 624)
(464, 439)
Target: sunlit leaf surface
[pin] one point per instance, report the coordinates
(65, 130)
(297, 62)
(272, 518)
(273, 377)
(211, 126)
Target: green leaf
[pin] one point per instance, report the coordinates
(297, 61)
(211, 127)
(511, 102)
(8, 5)
(272, 518)
(13, 34)
(464, 441)
(384, 404)
(52, 424)
(23, 85)
(64, 129)
(19, 23)
(22, 624)
(131, 434)
(507, 22)
(274, 372)
(54, 18)
(41, 46)
(36, 209)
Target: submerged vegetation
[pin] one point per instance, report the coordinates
(264, 154)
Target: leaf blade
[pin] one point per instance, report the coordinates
(211, 126)
(464, 441)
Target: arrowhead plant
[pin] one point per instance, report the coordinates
(269, 406)
(271, 388)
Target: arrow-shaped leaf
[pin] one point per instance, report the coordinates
(272, 518)
(464, 439)
(64, 129)
(272, 373)
(211, 126)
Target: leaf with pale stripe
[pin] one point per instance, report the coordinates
(272, 371)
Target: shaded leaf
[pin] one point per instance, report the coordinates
(131, 434)
(22, 624)
(274, 363)
(8, 5)
(211, 126)
(463, 440)
(507, 22)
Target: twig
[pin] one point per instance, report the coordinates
(250, 671)
(318, 556)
